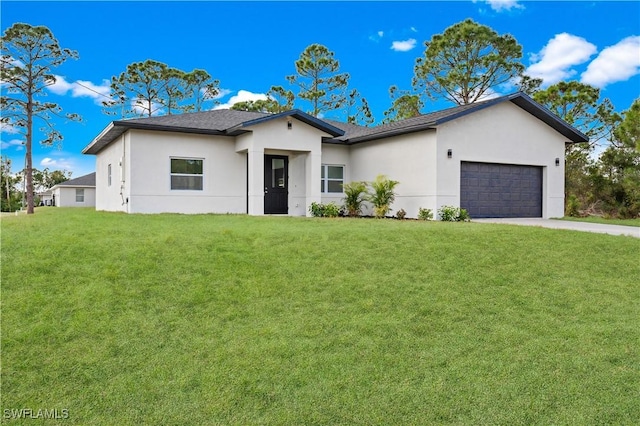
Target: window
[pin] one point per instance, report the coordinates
(79, 195)
(332, 178)
(109, 175)
(186, 173)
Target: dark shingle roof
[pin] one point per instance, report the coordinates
(224, 122)
(86, 180)
(232, 123)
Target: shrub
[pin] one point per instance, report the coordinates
(401, 214)
(425, 214)
(324, 210)
(331, 210)
(382, 195)
(316, 209)
(354, 194)
(573, 206)
(453, 214)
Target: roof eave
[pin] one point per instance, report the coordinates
(549, 118)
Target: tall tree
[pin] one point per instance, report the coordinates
(278, 100)
(579, 105)
(139, 91)
(405, 105)
(11, 196)
(465, 62)
(319, 80)
(358, 111)
(28, 56)
(200, 87)
(528, 85)
(283, 98)
(151, 88)
(616, 181)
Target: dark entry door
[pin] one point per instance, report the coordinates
(276, 176)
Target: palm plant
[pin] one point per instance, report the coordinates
(382, 195)
(354, 196)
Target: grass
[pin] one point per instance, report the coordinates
(235, 320)
(598, 219)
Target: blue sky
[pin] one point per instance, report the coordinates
(250, 46)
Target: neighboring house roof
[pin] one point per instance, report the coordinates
(231, 123)
(82, 181)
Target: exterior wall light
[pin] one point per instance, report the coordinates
(289, 124)
(557, 161)
(449, 153)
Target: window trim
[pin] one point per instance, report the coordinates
(325, 180)
(80, 191)
(171, 174)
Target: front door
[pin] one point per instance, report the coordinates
(276, 176)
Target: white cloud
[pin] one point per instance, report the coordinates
(221, 93)
(500, 5)
(380, 34)
(17, 143)
(403, 46)
(242, 96)
(555, 61)
(615, 63)
(59, 164)
(140, 108)
(61, 86)
(82, 88)
(413, 29)
(9, 128)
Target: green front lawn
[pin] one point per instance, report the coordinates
(236, 320)
(597, 219)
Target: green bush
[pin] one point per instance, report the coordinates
(573, 206)
(331, 210)
(453, 214)
(381, 195)
(324, 210)
(354, 195)
(316, 209)
(425, 214)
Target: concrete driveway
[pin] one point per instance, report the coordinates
(600, 228)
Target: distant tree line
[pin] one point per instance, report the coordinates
(465, 64)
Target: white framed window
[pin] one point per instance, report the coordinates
(332, 178)
(79, 195)
(186, 174)
(109, 175)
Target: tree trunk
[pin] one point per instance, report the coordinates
(29, 166)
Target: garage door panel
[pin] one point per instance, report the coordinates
(501, 190)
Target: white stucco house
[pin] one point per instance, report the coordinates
(502, 157)
(78, 192)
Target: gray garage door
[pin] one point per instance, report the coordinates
(500, 190)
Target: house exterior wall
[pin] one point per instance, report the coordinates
(113, 197)
(503, 133)
(408, 159)
(224, 173)
(336, 155)
(66, 197)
